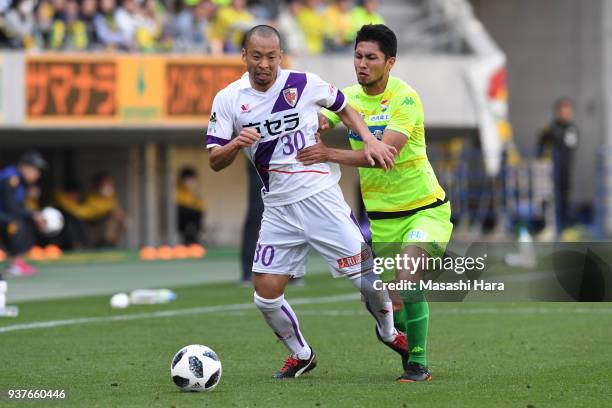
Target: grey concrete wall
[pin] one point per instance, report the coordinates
(554, 49)
(606, 209)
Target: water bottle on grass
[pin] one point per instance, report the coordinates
(151, 296)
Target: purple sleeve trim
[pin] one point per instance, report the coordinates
(213, 140)
(339, 103)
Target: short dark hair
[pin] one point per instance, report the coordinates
(380, 34)
(261, 30)
(33, 158)
(187, 172)
(100, 178)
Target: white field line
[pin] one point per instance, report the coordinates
(168, 313)
(463, 311)
(240, 309)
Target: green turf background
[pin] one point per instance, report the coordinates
(494, 354)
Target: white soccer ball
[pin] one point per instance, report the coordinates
(196, 368)
(120, 301)
(54, 220)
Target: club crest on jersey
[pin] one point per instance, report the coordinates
(291, 96)
(384, 105)
(245, 108)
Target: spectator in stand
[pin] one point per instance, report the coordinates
(190, 27)
(265, 10)
(294, 41)
(68, 30)
(191, 208)
(109, 223)
(69, 201)
(107, 28)
(127, 17)
(313, 25)
(229, 26)
(44, 19)
(366, 13)
(57, 28)
(17, 222)
(341, 31)
(149, 26)
(20, 25)
(86, 18)
(95, 221)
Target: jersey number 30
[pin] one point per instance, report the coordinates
(264, 254)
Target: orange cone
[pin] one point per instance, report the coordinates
(165, 252)
(181, 252)
(36, 253)
(148, 253)
(53, 252)
(196, 251)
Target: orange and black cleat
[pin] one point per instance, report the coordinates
(294, 367)
(415, 372)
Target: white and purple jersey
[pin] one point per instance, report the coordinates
(286, 118)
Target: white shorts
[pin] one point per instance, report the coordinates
(323, 221)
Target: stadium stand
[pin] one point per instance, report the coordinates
(204, 26)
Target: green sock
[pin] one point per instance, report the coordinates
(417, 324)
(399, 319)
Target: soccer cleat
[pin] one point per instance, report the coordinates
(414, 373)
(294, 367)
(19, 267)
(399, 345)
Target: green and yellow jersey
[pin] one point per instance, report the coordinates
(411, 184)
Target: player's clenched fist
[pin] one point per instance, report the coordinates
(247, 137)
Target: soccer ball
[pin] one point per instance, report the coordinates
(196, 368)
(54, 220)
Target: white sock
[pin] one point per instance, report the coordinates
(378, 304)
(280, 317)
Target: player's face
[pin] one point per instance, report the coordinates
(29, 173)
(565, 112)
(371, 66)
(262, 56)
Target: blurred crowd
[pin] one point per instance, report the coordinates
(207, 26)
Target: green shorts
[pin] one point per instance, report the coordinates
(429, 229)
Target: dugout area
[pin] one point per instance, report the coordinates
(144, 164)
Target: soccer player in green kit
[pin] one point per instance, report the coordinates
(406, 205)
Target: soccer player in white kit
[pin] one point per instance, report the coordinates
(272, 114)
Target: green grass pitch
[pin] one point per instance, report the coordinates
(481, 354)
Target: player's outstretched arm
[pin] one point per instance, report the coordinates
(223, 156)
(320, 153)
(376, 152)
